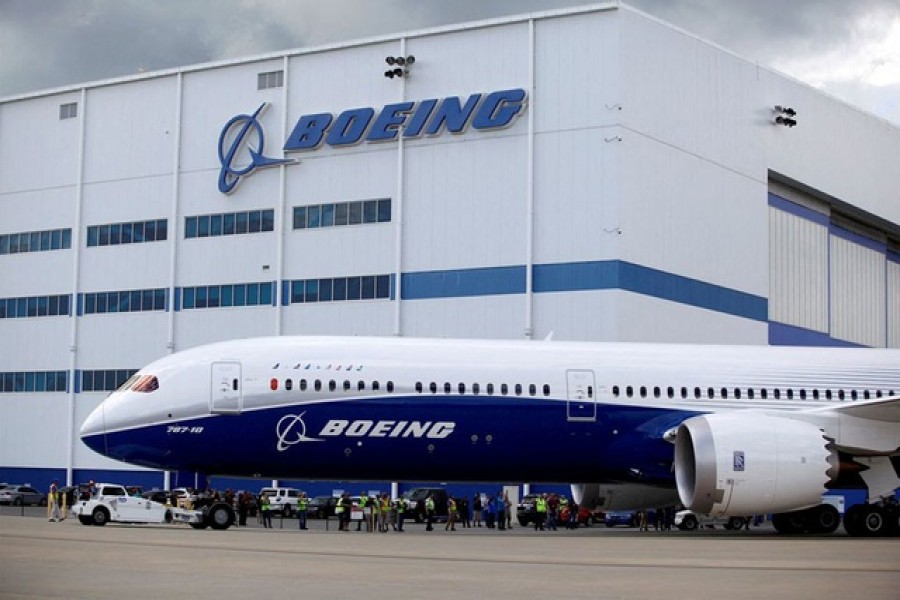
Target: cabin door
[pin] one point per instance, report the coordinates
(581, 404)
(226, 388)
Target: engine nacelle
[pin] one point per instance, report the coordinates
(742, 463)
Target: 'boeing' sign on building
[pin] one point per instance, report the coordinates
(414, 119)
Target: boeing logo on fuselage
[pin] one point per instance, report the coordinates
(291, 430)
(484, 112)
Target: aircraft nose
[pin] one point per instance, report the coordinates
(93, 430)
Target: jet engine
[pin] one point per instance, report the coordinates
(743, 463)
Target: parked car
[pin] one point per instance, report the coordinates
(585, 516)
(525, 509)
(687, 520)
(414, 500)
(321, 507)
(20, 495)
(620, 517)
(282, 500)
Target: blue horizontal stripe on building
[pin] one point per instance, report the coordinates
(584, 276)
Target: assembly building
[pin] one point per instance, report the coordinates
(586, 174)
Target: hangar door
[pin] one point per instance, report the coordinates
(226, 388)
(581, 404)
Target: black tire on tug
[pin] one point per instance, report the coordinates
(85, 520)
(220, 516)
(689, 523)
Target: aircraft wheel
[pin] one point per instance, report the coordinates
(865, 520)
(790, 523)
(875, 521)
(100, 516)
(824, 519)
(892, 514)
(689, 523)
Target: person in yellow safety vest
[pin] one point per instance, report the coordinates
(264, 508)
(400, 507)
(429, 512)
(339, 512)
(364, 505)
(451, 515)
(53, 503)
(540, 509)
(302, 507)
(384, 510)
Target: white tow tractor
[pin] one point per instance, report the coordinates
(111, 502)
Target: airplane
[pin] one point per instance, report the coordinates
(724, 430)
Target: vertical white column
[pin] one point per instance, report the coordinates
(281, 221)
(397, 208)
(529, 194)
(76, 275)
(174, 228)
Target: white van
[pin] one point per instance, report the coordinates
(282, 500)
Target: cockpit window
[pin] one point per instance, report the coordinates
(146, 383)
(128, 383)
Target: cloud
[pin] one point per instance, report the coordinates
(850, 49)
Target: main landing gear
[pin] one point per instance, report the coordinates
(860, 520)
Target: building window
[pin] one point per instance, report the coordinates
(254, 221)
(104, 380)
(68, 110)
(134, 232)
(339, 289)
(124, 301)
(34, 381)
(358, 212)
(223, 296)
(35, 241)
(34, 306)
(271, 79)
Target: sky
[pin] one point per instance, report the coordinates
(847, 48)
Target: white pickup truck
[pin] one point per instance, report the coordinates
(111, 502)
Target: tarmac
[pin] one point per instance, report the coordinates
(41, 559)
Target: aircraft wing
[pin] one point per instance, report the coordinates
(880, 409)
(863, 428)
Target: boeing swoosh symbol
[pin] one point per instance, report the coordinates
(291, 430)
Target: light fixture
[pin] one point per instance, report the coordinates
(784, 115)
(400, 61)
